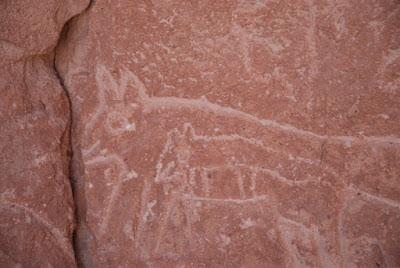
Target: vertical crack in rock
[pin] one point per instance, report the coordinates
(66, 138)
(229, 134)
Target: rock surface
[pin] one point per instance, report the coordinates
(36, 204)
(208, 134)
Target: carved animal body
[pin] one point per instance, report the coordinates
(239, 179)
(226, 171)
(198, 162)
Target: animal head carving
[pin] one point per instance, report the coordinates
(126, 88)
(120, 97)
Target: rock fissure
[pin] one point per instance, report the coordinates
(174, 133)
(67, 136)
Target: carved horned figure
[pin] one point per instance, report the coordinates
(235, 173)
(196, 170)
(206, 167)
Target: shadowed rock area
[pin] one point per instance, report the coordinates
(241, 133)
(36, 205)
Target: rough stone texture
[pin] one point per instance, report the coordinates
(235, 133)
(36, 205)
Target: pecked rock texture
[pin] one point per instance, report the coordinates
(36, 205)
(236, 133)
(240, 133)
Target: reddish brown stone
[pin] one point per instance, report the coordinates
(36, 205)
(235, 133)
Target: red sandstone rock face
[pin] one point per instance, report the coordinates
(237, 133)
(228, 134)
(36, 205)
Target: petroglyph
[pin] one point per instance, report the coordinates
(60, 240)
(232, 159)
(248, 133)
(371, 197)
(124, 174)
(110, 106)
(356, 201)
(115, 117)
(154, 103)
(186, 184)
(188, 177)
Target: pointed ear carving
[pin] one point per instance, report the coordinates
(105, 81)
(117, 87)
(137, 84)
